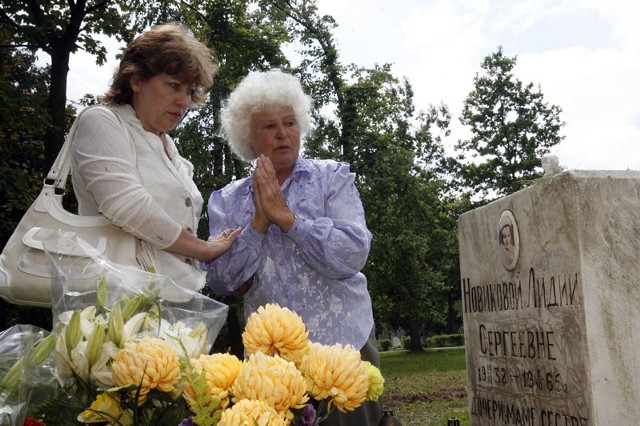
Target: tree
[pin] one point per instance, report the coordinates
(371, 125)
(60, 28)
(512, 128)
(392, 152)
(23, 121)
(244, 38)
(22, 127)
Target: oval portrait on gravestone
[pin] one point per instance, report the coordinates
(508, 240)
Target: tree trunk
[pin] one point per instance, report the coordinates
(452, 323)
(415, 327)
(56, 105)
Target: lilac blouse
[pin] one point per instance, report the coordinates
(314, 269)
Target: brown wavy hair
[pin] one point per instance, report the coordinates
(164, 49)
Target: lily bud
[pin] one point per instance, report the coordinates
(132, 307)
(153, 320)
(95, 343)
(102, 295)
(41, 351)
(11, 379)
(116, 325)
(72, 332)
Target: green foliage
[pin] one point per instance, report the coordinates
(60, 28)
(23, 89)
(512, 128)
(384, 344)
(406, 343)
(245, 36)
(445, 341)
(204, 405)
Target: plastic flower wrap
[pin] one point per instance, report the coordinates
(25, 370)
(130, 348)
(123, 340)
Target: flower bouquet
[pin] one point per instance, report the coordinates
(121, 339)
(132, 348)
(281, 371)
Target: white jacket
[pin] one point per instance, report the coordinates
(139, 181)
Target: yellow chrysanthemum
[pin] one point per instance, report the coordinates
(106, 409)
(149, 363)
(274, 330)
(251, 413)
(220, 372)
(338, 373)
(273, 380)
(376, 382)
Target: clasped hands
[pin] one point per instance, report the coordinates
(270, 202)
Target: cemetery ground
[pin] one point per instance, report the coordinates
(426, 388)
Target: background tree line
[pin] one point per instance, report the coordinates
(414, 181)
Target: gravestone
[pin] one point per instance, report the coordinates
(395, 342)
(550, 280)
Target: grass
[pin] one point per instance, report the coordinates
(427, 388)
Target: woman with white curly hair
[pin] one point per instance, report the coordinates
(304, 237)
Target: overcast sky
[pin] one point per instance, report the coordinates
(584, 55)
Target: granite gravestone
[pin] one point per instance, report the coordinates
(551, 302)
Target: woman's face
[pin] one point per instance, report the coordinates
(276, 134)
(160, 102)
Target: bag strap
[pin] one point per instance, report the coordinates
(57, 176)
(61, 168)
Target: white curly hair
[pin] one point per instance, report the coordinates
(261, 91)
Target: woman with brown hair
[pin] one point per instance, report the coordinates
(128, 169)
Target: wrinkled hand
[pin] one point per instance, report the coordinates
(260, 221)
(219, 244)
(270, 198)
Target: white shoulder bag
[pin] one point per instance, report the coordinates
(25, 269)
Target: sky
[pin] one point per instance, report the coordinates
(584, 55)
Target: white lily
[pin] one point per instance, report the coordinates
(64, 369)
(185, 339)
(101, 369)
(78, 361)
(89, 320)
(133, 326)
(166, 328)
(63, 318)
